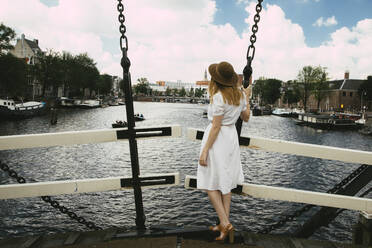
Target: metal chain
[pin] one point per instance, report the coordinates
(247, 72)
(253, 37)
(307, 207)
(125, 62)
(49, 200)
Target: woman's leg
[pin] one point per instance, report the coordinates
(226, 200)
(216, 199)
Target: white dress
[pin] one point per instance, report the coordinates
(224, 170)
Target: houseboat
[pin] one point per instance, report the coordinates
(10, 109)
(334, 122)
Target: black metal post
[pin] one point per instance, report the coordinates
(247, 73)
(140, 216)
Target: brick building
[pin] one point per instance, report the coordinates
(342, 96)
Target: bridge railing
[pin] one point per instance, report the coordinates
(295, 195)
(117, 183)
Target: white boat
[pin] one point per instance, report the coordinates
(9, 109)
(66, 102)
(281, 112)
(90, 104)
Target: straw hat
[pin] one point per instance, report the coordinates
(223, 73)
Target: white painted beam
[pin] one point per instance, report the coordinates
(75, 186)
(70, 138)
(303, 149)
(302, 196)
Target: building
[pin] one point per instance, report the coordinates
(203, 84)
(174, 85)
(342, 96)
(28, 50)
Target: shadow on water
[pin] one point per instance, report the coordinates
(174, 204)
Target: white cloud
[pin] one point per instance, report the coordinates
(331, 21)
(170, 40)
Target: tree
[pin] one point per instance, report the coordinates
(168, 91)
(7, 34)
(291, 93)
(307, 77)
(320, 89)
(182, 92)
(48, 70)
(174, 91)
(13, 76)
(142, 87)
(104, 84)
(268, 90)
(191, 92)
(199, 92)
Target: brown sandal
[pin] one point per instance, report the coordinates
(227, 231)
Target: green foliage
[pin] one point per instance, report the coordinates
(13, 76)
(175, 92)
(320, 88)
(142, 87)
(182, 92)
(268, 90)
(7, 34)
(104, 84)
(307, 77)
(168, 91)
(199, 92)
(191, 92)
(48, 70)
(291, 93)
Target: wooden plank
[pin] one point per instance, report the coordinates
(30, 242)
(13, 191)
(301, 196)
(301, 149)
(71, 239)
(109, 234)
(72, 138)
(310, 150)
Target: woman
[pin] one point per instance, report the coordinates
(219, 169)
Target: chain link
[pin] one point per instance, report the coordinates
(125, 62)
(253, 37)
(49, 200)
(307, 207)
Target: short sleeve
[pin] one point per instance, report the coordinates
(217, 105)
(244, 102)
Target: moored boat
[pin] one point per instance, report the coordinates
(9, 109)
(90, 104)
(329, 122)
(119, 124)
(281, 112)
(139, 117)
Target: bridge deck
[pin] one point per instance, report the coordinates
(195, 238)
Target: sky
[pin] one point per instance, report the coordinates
(178, 39)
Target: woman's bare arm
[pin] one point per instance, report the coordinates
(244, 115)
(216, 126)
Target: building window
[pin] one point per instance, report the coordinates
(343, 93)
(351, 94)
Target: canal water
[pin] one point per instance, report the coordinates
(174, 204)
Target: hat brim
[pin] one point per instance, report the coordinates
(216, 77)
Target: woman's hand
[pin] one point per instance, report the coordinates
(203, 158)
(248, 91)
